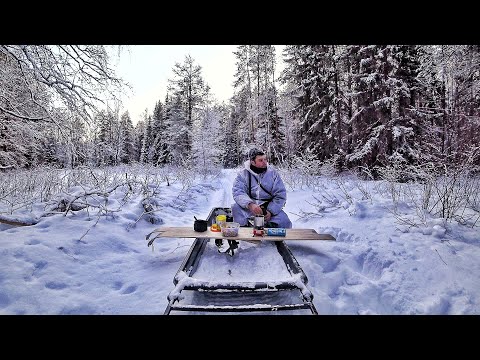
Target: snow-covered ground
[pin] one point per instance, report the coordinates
(85, 264)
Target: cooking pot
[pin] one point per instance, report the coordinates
(200, 225)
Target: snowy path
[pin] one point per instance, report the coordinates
(222, 197)
(257, 262)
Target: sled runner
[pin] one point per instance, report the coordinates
(195, 294)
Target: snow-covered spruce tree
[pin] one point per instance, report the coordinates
(107, 129)
(276, 129)
(286, 104)
(364, 124)
(243, 97)
(159, 133)
(312, 71)
(467, 102)
(449, 101)
(209, 136)
(382, 129)
(405, 86)
(163, 155)
(255, 97)
(89, 145)
(18, 144)
(147, 140)
(374, 105)
(178, 133)
(127, 140)
(262, 64)
(258, 57)
(70, 142)
(399, 67)
(139, 134)
(461, 79)
(235, 134)
(188, 89)
(50, 154)
(223, 113)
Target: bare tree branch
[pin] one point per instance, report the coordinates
(77, 76)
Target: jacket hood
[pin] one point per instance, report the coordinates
(246, 164)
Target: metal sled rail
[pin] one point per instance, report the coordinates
(258, 291)
(240, 308)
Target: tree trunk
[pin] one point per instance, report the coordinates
(338, 114)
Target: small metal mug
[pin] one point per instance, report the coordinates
(259, 221)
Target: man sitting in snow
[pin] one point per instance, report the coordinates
(258, 189)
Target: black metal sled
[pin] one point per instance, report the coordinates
(196, 296)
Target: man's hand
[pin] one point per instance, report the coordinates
(254, 208)
(268, 216)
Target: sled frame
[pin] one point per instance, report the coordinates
(190, 264)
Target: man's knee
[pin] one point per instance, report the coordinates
(289, 224)
(239, 215)
(282, 220)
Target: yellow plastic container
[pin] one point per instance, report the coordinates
(221, 220)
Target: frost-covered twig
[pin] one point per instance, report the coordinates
(340, 182)
(306, 215)
(440, 257)
(90, 228)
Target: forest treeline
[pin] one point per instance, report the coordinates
(354, 106)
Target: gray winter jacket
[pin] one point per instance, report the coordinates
(259, 188)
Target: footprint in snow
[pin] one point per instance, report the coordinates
(130, 289)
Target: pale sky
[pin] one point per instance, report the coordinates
(148, 67)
